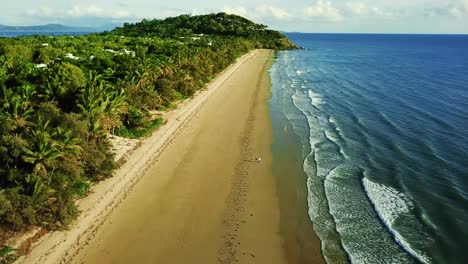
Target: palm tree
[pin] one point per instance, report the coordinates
(15, 111)
(67, 143)
(27, 92)
(114, 105)
(35, 185)
(54, 88)
(91, 103)
(43, 148)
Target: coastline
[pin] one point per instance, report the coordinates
(301, 242)
(192, 190)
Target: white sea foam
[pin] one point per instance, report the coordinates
(316, 98)
(285, 57)
(332, 120)
(331, 135)
(391, 204)
(296, 81)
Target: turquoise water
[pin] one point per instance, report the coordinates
(383, 126)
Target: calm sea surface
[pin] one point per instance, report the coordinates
(383, 126)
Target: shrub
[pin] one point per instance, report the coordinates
(7, 255)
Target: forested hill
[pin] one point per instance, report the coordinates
(220, 24)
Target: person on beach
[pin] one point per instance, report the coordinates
(258, 159)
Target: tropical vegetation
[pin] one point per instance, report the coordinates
(60, 98)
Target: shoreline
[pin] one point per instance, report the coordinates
(192, 190)
(301, 242)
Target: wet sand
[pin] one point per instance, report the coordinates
(193, 194)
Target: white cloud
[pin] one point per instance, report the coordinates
(41, 12)
(121, 14)
(361, 9)
(260, 12)
(92, 10)
(357, 8)
(323, 10)
(382, 13)
(170, 12)
(305, 15)
(122, 4)
(239, 10)
(79, 11)
(458, 8)
(276, 12)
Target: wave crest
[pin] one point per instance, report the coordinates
(390, 205)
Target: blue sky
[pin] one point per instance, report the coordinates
(357, 16)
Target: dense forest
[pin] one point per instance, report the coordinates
(61, 97)
(213, 24)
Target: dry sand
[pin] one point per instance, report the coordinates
(192, 192)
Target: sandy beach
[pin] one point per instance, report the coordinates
(193, 191)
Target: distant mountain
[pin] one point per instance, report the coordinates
(46, 28)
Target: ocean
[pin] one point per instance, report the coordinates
(382, 126)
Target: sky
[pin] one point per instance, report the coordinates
(330, 16)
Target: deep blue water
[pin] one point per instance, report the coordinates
(383, 121)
